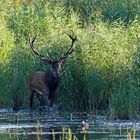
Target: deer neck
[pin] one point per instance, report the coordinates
(51, 81)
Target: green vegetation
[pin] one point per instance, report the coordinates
(102, 73)
(67, 134)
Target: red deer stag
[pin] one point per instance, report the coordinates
(44, 84)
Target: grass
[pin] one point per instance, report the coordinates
(101, 74)
(131, 135)
(67, 134)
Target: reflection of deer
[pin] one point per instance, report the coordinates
(44, 84)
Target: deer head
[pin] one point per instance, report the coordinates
(54, 66)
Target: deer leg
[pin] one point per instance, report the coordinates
(51, 102)
(51, 98)
(39, 94)
(40, 98)
(31, 98)
(46, 100)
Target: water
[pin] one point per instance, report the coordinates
(53, 125)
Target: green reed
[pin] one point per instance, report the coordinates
(101, 74)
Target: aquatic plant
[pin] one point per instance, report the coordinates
(131, 134)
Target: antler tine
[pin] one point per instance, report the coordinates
(31, 42)
(70, 49)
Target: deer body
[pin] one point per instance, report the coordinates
(44, 84)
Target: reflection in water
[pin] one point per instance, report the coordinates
(43, 134)
(50, 125)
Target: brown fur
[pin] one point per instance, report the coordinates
(36, 84)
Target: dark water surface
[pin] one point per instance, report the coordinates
(53, 125)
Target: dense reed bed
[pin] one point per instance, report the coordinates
(102, 73)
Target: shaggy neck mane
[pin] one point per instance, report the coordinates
(51, 82)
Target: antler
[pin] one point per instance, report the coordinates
(31, 42)
(70, 49)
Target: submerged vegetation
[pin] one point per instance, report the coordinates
(103, 73)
